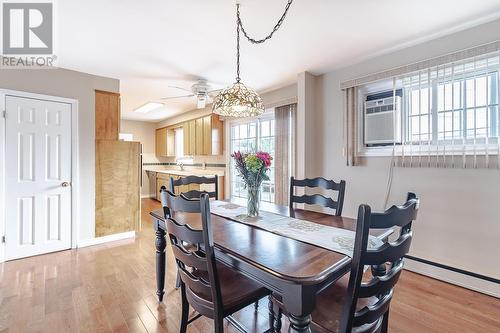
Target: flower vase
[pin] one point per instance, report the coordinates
(253, 201)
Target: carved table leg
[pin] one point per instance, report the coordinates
(161, 244)
(270, 307)
(299, 324)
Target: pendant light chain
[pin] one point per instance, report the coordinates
(276, 27)
(239, 26)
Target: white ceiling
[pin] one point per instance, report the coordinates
(150, 45)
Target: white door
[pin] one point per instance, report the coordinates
(37, 176)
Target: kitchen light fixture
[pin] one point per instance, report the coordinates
(240, 100)
(148, 107)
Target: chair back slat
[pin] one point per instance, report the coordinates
(372, 313)
(389, 252)
(398, 216)
(381, 285)
(183, 232)
(318, 199)
(178, 203)
(194, 259)
(195, 283)
(379, 289)
(194, 250)
(195, 194)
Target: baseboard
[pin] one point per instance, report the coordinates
(456, 278)
(106, 239)
(146, 196)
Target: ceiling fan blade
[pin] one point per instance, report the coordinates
(174, 97)
(176, 87)
(214, 92)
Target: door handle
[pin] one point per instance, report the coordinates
(65, 184)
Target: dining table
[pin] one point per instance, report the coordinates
(295, 270)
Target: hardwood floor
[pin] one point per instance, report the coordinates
(111, 288)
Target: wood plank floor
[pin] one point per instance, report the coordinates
(111, 288)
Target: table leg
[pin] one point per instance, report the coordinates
(299, 324)
(161, 244)
(270, 307)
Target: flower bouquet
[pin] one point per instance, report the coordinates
(253, 169)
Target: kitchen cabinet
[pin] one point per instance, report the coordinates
(107, 115)
(161, 142)
(201, 136)
(165, 141)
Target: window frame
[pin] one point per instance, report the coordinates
(268, 115)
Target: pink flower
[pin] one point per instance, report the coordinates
(265, 158)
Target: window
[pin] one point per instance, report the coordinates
(453, 110)
(449, 109)
(179, 142)
(251, 136)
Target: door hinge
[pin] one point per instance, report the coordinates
(4, 113)
(3, 239)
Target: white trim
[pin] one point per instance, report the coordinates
(146, 196)
(452, 277)
(75, 187)
(105, 239)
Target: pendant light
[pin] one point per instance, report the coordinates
(240, 100)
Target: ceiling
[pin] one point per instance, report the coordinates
(150, 45)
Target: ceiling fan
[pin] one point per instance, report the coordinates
(201, 90)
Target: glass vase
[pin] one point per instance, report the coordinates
(253, 201)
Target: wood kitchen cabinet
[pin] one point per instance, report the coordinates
(161, 142)
(107, 115)
(165, 141)
(202, 136)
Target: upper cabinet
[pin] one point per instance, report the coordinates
(202, 136)
(107, 115)
(165, 141)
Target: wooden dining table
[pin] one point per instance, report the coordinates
(296, 270)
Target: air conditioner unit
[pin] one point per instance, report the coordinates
(382, 119)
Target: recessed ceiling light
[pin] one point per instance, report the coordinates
(148, 107)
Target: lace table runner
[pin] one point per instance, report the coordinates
(330, 238)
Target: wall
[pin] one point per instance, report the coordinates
(144, 132)
(79, 86)
(458, 223)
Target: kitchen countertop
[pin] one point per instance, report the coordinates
(188, 172)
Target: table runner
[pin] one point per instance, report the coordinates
(330, 238)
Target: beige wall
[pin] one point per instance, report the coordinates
(458, 223)
(79, 86)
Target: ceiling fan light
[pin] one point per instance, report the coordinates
(201, 102)
(238, 101)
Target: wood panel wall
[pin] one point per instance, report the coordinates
(117, 187)
(107, 115)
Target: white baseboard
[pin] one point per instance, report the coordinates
(145, 196)
(105, 239)
(459, 279)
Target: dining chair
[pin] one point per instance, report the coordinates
(213, 289)
(359, 302)
(195, 194)
(318, 199)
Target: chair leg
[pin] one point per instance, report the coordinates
(185, 311)
(385, 323)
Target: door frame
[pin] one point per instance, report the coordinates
(75, 181)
